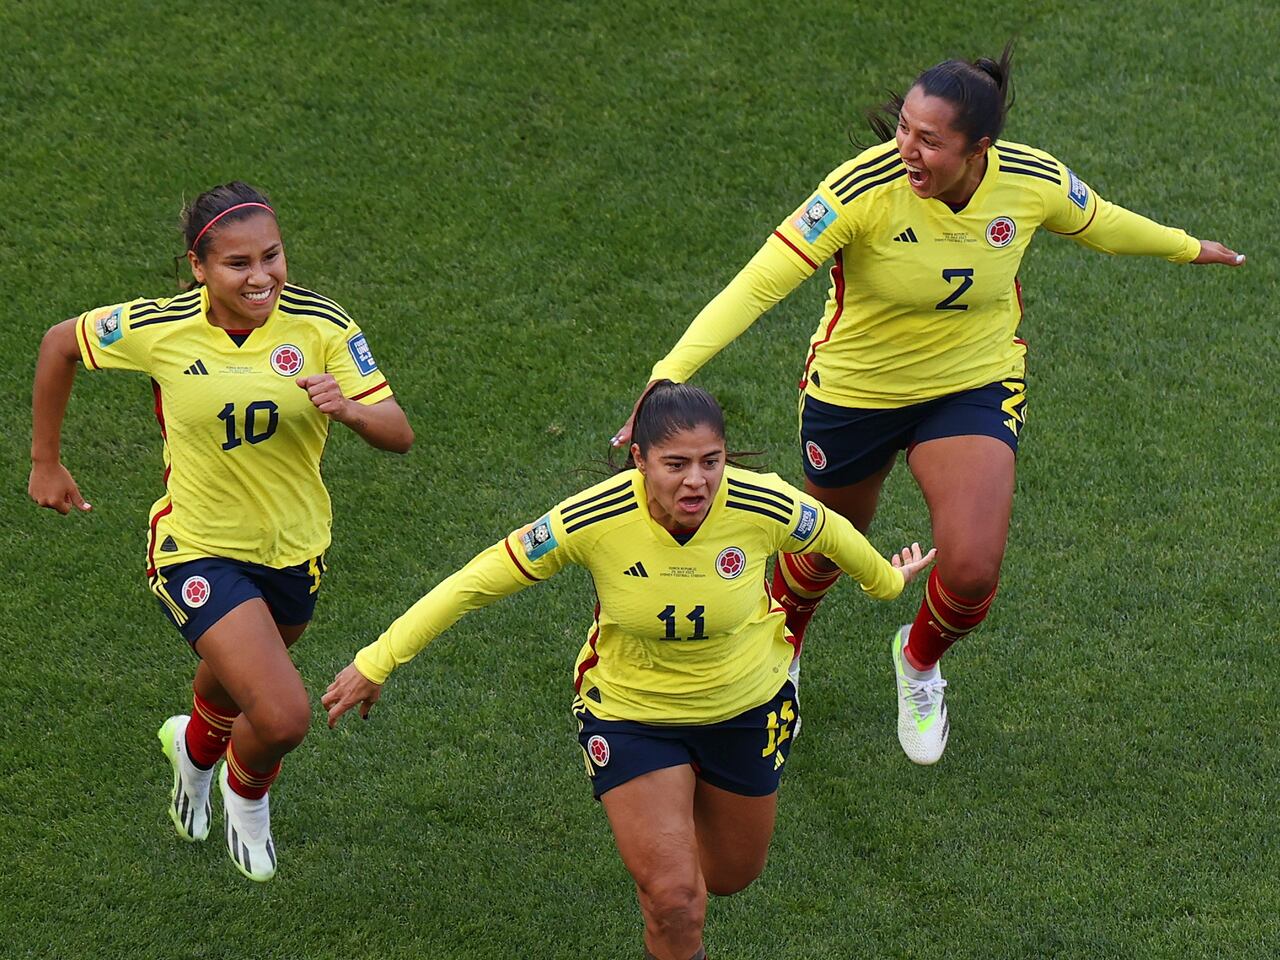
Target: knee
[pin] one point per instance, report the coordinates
(970, 577)
(674, 909)
(283, 725)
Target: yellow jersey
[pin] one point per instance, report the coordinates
(242, 441)
(682, 633)
(924, 299)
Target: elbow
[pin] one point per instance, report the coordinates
(403, 441)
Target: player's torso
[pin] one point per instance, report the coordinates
(243, 440)
(924, 300)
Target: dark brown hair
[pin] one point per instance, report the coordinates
(204, 209)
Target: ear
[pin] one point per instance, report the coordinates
(197, 271)
(636, 458)
(980, 148)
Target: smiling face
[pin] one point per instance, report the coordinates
(244, 270)
(682, 474)
(940, 161)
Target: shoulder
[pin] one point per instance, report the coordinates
(142, 313)
(602, 506)
(1035, 168)
(307, 306)
(762, 494)
(866, 174)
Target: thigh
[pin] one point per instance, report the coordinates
(246, 654)
(856, 502)
(652, 821)
(968, 484)
(733, 835)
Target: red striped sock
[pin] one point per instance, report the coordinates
(208, 732)
(800, 586)
(247, 782)
(943, 619)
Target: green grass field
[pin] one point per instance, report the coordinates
(524, 204)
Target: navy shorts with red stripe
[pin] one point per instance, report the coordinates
(843, 445)
(744, 754)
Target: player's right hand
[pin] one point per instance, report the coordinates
(348, 689)
(623, 437)
(910, 562)
(1213, 252)
(52, 486)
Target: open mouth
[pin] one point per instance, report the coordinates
(917, 177)
(691, 504)
(259, 297)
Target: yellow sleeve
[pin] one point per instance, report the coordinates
(100, 334)
(767, 278)
(1087, 218)
(351, 362)
(524, 557)
(837, 538)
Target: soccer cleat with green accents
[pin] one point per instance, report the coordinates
(248, 832)
(189, 807)
(923, 724)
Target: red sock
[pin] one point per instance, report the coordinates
(208, 732)
(943, 619)
(799, 586)
(247, 782)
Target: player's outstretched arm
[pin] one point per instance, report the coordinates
(51, 484)
(1213, 252)
(350, 688)
(382, 424)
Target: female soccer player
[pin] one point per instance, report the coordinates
(685, 709)
(917, 349)
(248, 372)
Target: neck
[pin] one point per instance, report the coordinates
(216, 319)
(963, 192)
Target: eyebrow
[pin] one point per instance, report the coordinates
(925, 131)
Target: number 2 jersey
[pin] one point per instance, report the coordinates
(242, 441)
(924, 299)
(682, 633)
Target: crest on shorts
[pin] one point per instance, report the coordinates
(817, 459)
(1001, 231)
(731, 562)
(286, 360)
(196, 592)
(598, 750)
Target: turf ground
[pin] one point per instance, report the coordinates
(524, 203)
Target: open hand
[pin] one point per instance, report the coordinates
(910, 562)
(348, 689)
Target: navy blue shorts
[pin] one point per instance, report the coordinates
(197, 594)
(843, 445)
(744, 754)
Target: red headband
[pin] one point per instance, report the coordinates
(238, 206)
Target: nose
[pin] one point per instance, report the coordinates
(258, 275)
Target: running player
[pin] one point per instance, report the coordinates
(917, 349)
(248, 372)
(685, 710)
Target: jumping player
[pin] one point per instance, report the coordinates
(685, 710)
(248, 372)
(918, 347)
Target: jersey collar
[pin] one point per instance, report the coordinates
(661, 533)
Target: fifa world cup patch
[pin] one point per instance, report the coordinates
(731, 562)
(196, 592)
(537, 538)
(1077, 192)
(808, 520)
(813, 220)
(108, 327)
(287, 360)
(362, 355)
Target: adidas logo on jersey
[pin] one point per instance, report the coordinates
(637, 570)
(196, 368)
(906, 236)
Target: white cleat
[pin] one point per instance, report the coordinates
(923, 724)
(189, 807)
(248, 832)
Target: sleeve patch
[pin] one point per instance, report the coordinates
(107, 326)
(808, 520)
(362, 355)
(537, 538)
(1078, 192)
(813, 220)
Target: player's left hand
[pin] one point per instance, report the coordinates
(325, 393)
(348, 689)
(1213, 252)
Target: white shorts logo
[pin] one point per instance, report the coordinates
(817, 459)
(196, 592)
(598, 748)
